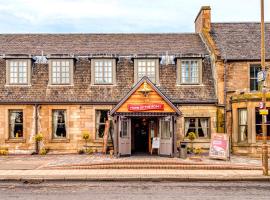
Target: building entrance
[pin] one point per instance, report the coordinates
(142, 132)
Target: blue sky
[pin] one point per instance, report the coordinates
(119, 16)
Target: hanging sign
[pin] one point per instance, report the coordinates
(261, 76)
(263, 111)
(144, 107)
(219, 147)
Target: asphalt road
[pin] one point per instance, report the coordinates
(135, 190)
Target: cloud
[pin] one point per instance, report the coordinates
(118, 15)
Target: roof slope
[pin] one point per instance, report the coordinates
(240, 41)
(101, 44)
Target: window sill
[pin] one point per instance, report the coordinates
(15, 140)
(189, 84)
(103, 85)
(59, 141)
(18, 85)
(100, 140)
(60, 85)
(199, 140)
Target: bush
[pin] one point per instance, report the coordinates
(39, 137)
(89, 151)
(197, 150)
(81, 151)
(43, 151)
(3, 151)
(191, 136)
(85, 135)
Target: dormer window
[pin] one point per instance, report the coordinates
(103, 71)
(146, 67)
(61, 71)
(18, 72)
(189, 71)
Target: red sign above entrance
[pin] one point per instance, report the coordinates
(144, 107)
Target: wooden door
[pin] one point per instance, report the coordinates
(166, 135)
(124, 136)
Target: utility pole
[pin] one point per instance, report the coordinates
(264, 127)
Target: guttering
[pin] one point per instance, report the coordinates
(56, 103)
(214, 102)
(36, 128)
(225, 96)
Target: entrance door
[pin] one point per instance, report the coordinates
(165, 133)
(124, 136)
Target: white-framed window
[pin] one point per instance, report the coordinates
(18, 72)
(61, 71)
(198, 125)
(189, 71)
(253, 75)
(59, 124)
(147, 67)
(15, 124)
(103, 71)
(242, 125)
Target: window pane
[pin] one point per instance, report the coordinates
(200, 126)
(254, 69)
(190, 72)
(18, 72)
(242, 120)
(165, 129)
(147, 68)
(124, 128)
(15, 124)
(259, 133)
(103, 72)
(101, 118)
(59, 124)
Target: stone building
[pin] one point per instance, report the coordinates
(235, 56)
(147, 85)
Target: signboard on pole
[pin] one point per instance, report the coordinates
(219, 147)
(261, 76)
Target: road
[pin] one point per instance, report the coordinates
(134, 190)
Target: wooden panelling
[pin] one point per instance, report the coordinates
(138, 98)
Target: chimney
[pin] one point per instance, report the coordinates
(203, 20)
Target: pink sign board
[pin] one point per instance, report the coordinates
(219, 147)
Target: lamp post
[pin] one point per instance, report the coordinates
(264, 127)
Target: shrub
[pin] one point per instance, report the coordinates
(39, 137)
(3, 151)
(198, 150)
(89, 151)
(81, 151)
(85, 135)
(191, 136)
(43, 151)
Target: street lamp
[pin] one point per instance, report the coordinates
(263, 88)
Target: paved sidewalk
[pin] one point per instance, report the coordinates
(27, 162)
(132, 175)
(100, 167)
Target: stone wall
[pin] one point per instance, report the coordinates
(209, 111)
(79, 118)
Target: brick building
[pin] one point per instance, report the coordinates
(152, 85)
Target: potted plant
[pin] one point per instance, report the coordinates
(86, 136)
(191, 136)
(38, 139)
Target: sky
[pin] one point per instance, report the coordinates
(120, 16)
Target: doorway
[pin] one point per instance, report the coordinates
(144, 129)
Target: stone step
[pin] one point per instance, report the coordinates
(157, 166)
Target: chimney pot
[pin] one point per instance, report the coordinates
(203, 20)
